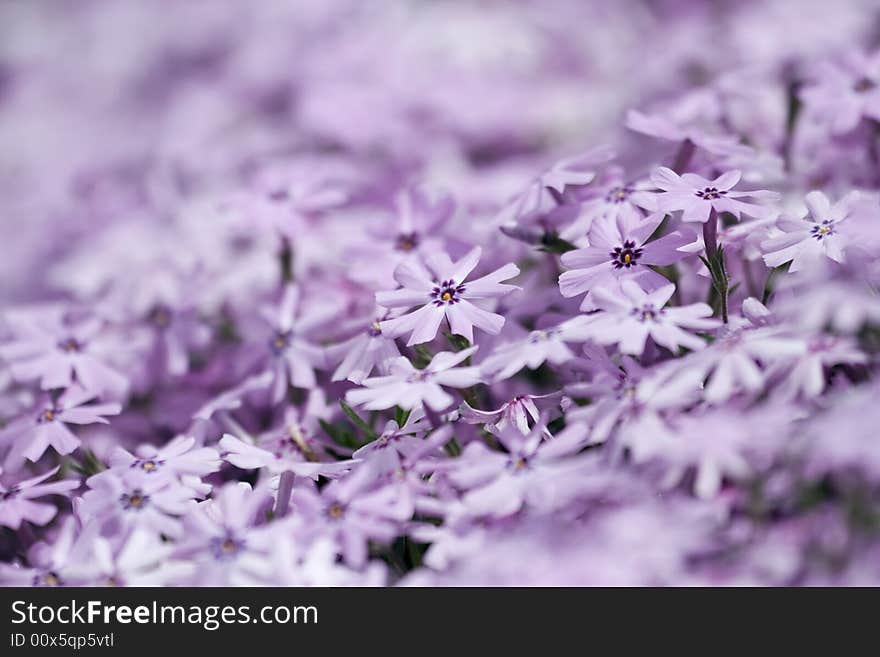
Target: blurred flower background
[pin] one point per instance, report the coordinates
(489, 293)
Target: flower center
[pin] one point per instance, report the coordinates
(406, 242)
(12, 492)
(519, 464)
(710, 193)
(159, 316)
(447, 293)
(618, 195)
(147, 465)
(336, 511)
(418, 377)
(864, 84)
(47, 579)
(626, 256)
(135, 500)
(646, 313)
(375, 330)
(226, 547)
(280, 342)
(820, 231)
(47, 416)
(70, 345)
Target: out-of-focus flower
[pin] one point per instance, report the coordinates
(630, 316)
(820, 233)
(17, 499)
(409, 388)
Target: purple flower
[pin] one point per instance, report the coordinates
(499, 483)
(222, 542)
(178, 459)
(17, 499)
(841, 93)
(620, 248)
(613, 200)
(681, 129)
(122, 501)
(292, 357)
(696, 196)
(820, 233)
(45, 426)
(409, 388)
(630, 316)
(517, 412)
(540, 346)
(546, 191)
(443, 291)
(370, 348)
(59, 354)
(352, 511)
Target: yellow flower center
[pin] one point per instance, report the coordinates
(446, 296)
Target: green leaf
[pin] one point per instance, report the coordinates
(458, 342)
(358, 422)
(552, 243)
(401, 416)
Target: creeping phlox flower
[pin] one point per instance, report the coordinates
(443, 292)
(821, 233)
(630, 316)
(410, 388)
(296, 326)
(620, 249)
(697, 197)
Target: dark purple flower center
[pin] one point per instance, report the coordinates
(618, 195)
(136, 500)
(518, 463)
(49, 415)
(226, 547)
(823, 230)
(447, 293)
(864, 84)
(647, 313)
(70, 345)
(9, 494)
(159, 316)
(711, 193)
(625, 256)
(147, 465)
(335, 511)
(280, 342)
(406, 242)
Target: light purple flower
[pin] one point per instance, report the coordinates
(540, 346)
(620, 248)
(520, 412)
(60, 354)
(630, 316)
(409, 387)
(292, 357)
(443, 292)
(45, 426)
(820, 233)
(696, 196)
(17, 499)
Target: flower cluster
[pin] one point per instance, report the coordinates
(319, 294)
